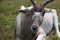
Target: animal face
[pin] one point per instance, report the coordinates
(38, 8)
(37, 21)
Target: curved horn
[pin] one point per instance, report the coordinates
(33, 2)
(47, 1)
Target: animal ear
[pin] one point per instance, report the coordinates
(25, 11)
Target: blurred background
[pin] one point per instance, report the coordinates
(9, 11)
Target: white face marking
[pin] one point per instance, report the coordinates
(38, 14)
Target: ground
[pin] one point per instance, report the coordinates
(9, 11)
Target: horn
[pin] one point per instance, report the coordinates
(33, 2)
(47, 1)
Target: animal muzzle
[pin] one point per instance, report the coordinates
(34, 28)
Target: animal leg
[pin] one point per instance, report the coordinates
(41, 37)
(55, 21)
(41, 34)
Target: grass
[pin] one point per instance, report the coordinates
(8, 13)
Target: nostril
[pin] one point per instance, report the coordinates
(34, 27)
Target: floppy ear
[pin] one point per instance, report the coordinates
(25, 9)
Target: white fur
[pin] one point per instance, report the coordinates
(37, 14)
(20, 18)
(47, 25)
(41, 37)
(55, 19)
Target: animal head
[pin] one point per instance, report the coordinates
(37, 7)
(38, 10)
(40, 7)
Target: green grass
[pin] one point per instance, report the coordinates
(9, 11)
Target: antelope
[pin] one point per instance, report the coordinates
(36, 25)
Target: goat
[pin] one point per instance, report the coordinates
(37, 25)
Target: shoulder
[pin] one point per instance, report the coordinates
(49, 10)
